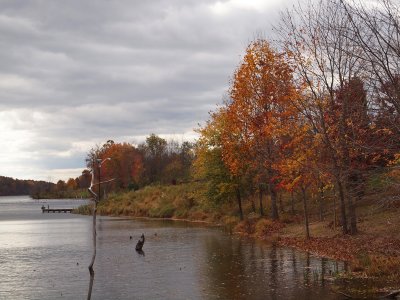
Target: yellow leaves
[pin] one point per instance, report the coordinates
(261, 130)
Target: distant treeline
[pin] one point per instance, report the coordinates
(130, 167)
(74, 188)
(13, 187)
(156, 161)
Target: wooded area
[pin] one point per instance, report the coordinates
(315, 112)
(13, 187)
(156, 161)
(312, 115)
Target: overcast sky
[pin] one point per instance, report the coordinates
(78, 73)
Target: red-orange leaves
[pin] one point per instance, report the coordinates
(125, 166)
(261, 116)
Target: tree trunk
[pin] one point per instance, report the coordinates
(260, 197)
(281, 207)
(355, 188)
(352, 215)
(253, 204)
(334, 212)
(343, 218)
(94, 233)
(306, 225)
(292, 202)
(274, 207)
(321, 203)
(239, 200)
(337, 175)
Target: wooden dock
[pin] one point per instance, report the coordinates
(58, 210)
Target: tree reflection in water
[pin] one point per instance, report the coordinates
(239, 268)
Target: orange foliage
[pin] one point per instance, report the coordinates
(262, 118)
(262, 110)
(125, 165)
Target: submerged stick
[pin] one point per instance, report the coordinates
(94, 234)
(96, 199)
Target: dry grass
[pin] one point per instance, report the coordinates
(184, 201)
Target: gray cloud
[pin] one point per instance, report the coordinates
(76, 73)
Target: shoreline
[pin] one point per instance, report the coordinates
(297, 243)
(337, 247)
(167, 219)
(373, 253)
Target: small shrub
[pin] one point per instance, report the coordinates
(167, 211)
(185, 201)
(181, 213)
(164, 211)
(266, 227)
(198, 215)
(229, 222)
(245, 226)
(263, 227)
(384, 266)
(83, 210)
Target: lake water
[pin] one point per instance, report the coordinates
(45, 256)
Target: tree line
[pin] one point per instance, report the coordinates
(14, 187)
(155, 161)
(311, 114)
(314, 112)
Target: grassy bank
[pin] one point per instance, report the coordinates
(373, 254)
(183, 201)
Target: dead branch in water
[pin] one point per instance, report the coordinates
(94, 233)
(96, 199)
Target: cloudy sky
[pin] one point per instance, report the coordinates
(77, 73)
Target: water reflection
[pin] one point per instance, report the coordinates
(244, 269)
(140, 252)
(44, 256)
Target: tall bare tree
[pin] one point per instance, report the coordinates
(375, 28)
(326, 57)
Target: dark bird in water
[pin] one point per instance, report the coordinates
(130, 237)
(140, 243)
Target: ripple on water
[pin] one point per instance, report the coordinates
(45, 256)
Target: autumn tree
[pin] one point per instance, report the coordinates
(154, 152)
(376, 30)
(260, 113)
(71, 184)
(61, 185)
(222, 185)
(125, 165)
(178, 161)
(334, 43)
(315, 36)
(84, 179)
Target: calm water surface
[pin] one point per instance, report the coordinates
(45, 256)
